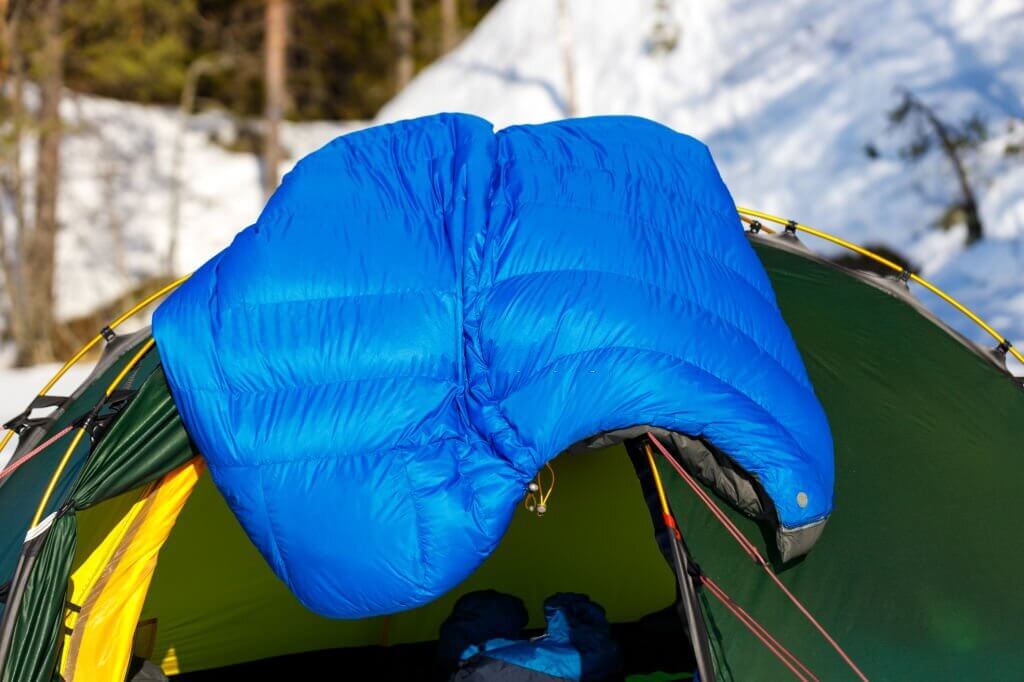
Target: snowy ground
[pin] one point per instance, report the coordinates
(787, 94)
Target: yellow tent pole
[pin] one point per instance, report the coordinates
(970, 314)
(662, 500)
(96, 339)
(145, 348)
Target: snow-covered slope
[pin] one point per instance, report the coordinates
(117, 178)
(788, 94)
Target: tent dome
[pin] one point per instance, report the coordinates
(427, 312)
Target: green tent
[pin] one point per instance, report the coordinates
(135, 555)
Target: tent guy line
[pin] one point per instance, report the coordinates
(751, 550)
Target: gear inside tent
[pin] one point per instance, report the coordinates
(354, 415)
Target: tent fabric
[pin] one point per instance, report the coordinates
(109, 583)
(427, 312)
(918, 577)
(23, 490)
(128, 450)
(148, 442)
(36, 631)
(20, 493)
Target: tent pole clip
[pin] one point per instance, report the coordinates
(904, 275)
(96, 424)
(755, 226)
(108, 334)
(791, 227)
(17, 424)
(1004, 347)
(24, 421)
(67, 508)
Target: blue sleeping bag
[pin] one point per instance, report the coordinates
(427, 312)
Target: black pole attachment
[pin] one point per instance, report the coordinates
(688, 576)
(675, 551)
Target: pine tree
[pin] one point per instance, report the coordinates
(345, 61)
(129, 49)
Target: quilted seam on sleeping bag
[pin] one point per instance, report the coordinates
(428, 311)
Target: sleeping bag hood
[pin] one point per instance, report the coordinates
(425, 313)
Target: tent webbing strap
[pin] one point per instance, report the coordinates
(24, 421)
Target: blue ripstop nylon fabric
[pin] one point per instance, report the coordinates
(426, 312)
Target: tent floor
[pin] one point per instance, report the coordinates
(654, 648)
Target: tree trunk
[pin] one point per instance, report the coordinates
(404, 65)
(186, 104)
(12, 239)
(275, 52)
(41, 245)
(5, 48)
(568, 60)
(449, 25)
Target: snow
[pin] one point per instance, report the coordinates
(117, 163)
(787, 94)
